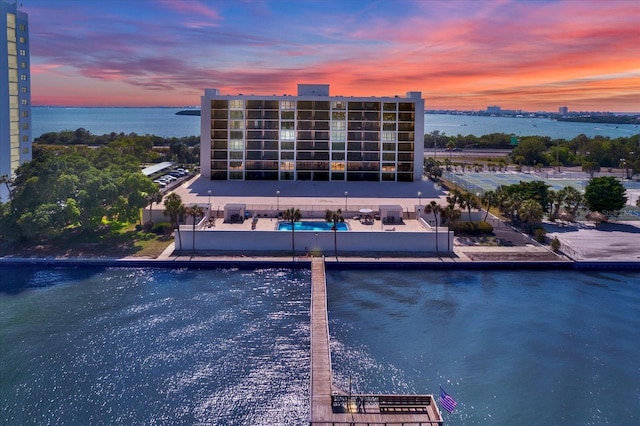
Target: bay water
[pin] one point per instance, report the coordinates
(231, 346)
(164, 122)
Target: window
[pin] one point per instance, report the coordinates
(236, 104)
(238, 115)
(338, 115)
(286, 165)
(287, 135)
(23, 52)
(288, 115)
(236, 145)
(338, 125)
(287, 104)
(338, 136)
(11, 20)
(341, 105)
(236, 124)
(23, 77)
(388, 136)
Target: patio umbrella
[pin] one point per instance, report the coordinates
(565, 215)
(597, 217)
(365, 211)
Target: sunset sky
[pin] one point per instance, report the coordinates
(530, 55)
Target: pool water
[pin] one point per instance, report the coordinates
(311, 226)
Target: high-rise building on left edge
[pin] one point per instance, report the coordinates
(15, 90)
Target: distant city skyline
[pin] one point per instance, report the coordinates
(462, 55)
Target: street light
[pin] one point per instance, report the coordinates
(346, 198)
(278, 203)
(420, 198)
(209, 207)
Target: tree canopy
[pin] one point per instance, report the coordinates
(605, 194)
(73, 188)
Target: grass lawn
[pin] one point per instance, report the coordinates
(116, 240)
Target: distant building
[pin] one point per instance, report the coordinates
(494, 110)
(15, 96)
(563, 110)
(312, 136)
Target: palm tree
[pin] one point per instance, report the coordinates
(435, 209)
(173, 208)
(573, 199)
(335, 217)
(292, 215)
(468, 201)
(154, 197)
(530, 212)
(489, 199)
(195, 212)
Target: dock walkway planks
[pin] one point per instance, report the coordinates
(321, 412)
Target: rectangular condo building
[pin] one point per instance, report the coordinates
(15, 96)
(312, 136)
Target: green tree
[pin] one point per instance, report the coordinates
(489, 199)
(174, 208)
(469, 201)
(334, 217)
(292, 215)
(573, 199)
(531, 150)
(605, 194)
(557, 198)
(154, 197)
(435, 209)
(450, 214)
(530, 212)
(590, 167)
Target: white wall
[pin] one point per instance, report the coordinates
(307, 241)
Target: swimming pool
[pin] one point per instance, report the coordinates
(311, 226)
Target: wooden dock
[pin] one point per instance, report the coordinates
(330, 406)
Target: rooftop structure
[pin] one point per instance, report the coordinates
(15, 96)
(312, 136)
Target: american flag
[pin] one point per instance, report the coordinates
(446, 401)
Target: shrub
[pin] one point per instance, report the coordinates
(471, 228)
(162, 228)
(540, 235)
(555, 245)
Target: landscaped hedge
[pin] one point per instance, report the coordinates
(162, 228)
(471, 228)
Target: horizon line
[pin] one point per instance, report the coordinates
(426, 110)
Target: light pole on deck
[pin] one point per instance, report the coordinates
(209, 206)
(419, 198)
(278, 203)
(346, 198)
